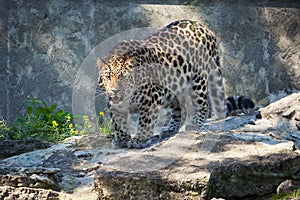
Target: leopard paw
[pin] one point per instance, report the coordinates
(138, 143)
(167, 133)
(121, 142)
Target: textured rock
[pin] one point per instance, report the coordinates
(236, 168)
(240, 180)
(62, 167)
(10, 148)
(33, 181)
(284, 114)
(32, 177)
(43, 44)
(288, 108)
(12, 193)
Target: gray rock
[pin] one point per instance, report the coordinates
(33, 177)
(59, 168)
(7, 192)
(284, 115)
(33, 181)
(181, 169)
(240, 180)
(10, 148)
(287, 107)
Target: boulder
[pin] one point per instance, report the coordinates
(284, 115)
(287, 108)
(62, 171)
(7, 192)
(288, 186)
(10, 148)
(240, 165)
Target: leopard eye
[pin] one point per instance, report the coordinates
(104, 77)
(100, 81)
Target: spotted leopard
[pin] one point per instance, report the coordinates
(177, 68)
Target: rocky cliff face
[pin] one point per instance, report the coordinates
(260, 44)
(44, 43)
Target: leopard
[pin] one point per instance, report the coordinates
(177, 68)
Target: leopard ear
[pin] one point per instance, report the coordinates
(100, 64)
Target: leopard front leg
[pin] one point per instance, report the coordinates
(121, 128)
(147, 123)
(148, 106)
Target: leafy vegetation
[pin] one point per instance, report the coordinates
(50, 123)
(284, 196)
(106, 125)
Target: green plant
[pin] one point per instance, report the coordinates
(85, 127)
(296, 194)
(4, 129)
(106, 126)
(284, 196)
(8, 132)
(50, 123)
(43, 122)
(103, 124)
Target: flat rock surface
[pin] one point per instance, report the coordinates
(228, 164)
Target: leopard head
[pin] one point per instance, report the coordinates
(116, 77)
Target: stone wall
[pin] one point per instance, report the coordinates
(44, 43)
(260, 44)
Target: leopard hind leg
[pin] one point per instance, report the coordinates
(216, 93)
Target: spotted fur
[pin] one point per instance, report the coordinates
(177, 68)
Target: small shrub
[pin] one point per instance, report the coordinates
(106, 126)
(41, 122)
(103, 124)
(86, 127)
(51, 124)
(4, 130)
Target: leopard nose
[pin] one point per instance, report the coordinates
(115, 91)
